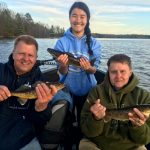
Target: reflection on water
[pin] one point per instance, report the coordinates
(137, 49)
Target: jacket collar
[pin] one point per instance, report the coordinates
(71, 35)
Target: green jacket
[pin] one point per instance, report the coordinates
(115, 135)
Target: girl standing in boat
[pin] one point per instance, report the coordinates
(78, 41)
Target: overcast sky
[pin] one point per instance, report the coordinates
(107, 16)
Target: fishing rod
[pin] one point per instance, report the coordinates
(45, 62)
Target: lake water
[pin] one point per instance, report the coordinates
(137, 49)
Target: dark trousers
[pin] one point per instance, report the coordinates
(148, 146)
(74, 132)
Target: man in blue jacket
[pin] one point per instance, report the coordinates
(19, 121)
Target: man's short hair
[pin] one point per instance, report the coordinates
(28, 39)
(122, 58)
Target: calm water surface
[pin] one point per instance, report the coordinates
(137, 49)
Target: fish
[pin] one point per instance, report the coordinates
(25, 92)
(72, 60)
(121, 114)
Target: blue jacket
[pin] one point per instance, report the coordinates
(78, 81)
(18, 123)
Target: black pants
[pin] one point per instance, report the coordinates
(74, 132)
(148, 146)
(78, 102)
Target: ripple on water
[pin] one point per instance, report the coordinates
(137, 49)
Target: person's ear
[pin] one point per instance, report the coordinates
(13, 53)
(131, 72)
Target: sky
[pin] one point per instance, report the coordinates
(107, 16)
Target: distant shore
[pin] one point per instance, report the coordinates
(97, 35)
(131, 36)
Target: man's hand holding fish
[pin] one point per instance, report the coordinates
(44, 95)
(137, 118)
(43, 92)
(4, 93)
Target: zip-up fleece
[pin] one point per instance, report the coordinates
(116, 135)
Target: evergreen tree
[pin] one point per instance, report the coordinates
(19, 26)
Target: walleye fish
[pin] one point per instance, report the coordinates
(28, 92)
(122, 113)
(72, 60)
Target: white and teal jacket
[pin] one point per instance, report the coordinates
(77, 80)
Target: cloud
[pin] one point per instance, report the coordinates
(119, 9)
(106, 15)
(43, 9)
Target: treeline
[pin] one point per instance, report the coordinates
(131, 36)
(13, 24)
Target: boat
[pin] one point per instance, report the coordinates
(52, 76)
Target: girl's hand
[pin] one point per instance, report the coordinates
(85, 64)
(63, 60)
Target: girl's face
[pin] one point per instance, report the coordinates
(78, 21)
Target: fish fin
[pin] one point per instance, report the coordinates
(23, 88)
(92, 61)
(22, 101)
(36, 83)
(69, 54)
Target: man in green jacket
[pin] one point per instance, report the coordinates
(118, 90)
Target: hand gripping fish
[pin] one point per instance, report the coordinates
(122, 113)
(28, 92)
(72, 60)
